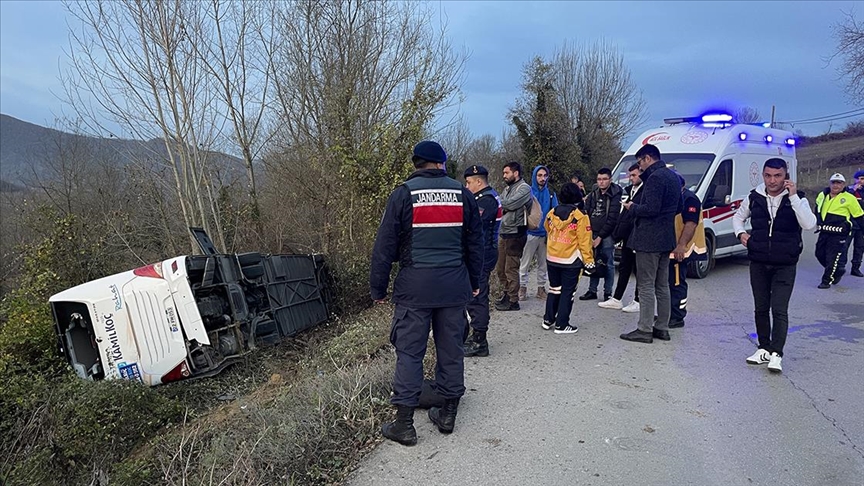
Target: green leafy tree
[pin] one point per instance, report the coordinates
(542, 126)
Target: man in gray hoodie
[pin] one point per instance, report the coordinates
(512, 235)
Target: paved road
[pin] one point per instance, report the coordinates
(592, 409)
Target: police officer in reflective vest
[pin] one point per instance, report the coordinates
(476, 181)
(835, 210)
(432, 227)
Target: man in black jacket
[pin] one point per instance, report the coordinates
(778, 213)
(476, 181)
(432, 227)
(603, 206)
(653, 238)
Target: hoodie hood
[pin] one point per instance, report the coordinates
(535, 188)
(547, 199)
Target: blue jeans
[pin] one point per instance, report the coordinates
(606, 251)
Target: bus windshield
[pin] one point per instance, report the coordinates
(691, 166)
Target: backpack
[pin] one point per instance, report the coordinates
(532, 214)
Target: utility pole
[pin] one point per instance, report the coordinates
(772, 116)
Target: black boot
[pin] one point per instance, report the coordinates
(477, 345)
(402, 429)
(856, 272)
(445, 417)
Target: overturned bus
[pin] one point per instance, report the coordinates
(188, 316)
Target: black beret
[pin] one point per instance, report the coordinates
(476, 170)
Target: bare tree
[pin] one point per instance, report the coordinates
(134, 65)
(747, 114)
(849, 34)
(237, 54)
(595, 87)
(456, 139)
(358, 83)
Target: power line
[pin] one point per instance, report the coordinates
(828, 120)
(820, 119)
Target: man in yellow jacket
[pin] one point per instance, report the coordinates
(835, 210)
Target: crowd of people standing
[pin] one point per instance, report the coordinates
(448, 239)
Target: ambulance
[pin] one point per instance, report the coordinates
(188, 316)
(721, 161)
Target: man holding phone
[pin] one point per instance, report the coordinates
(778, 213)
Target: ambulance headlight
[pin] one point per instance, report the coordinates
(742, 136)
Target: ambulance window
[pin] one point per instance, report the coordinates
(720, 186)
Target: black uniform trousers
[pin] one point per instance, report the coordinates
(831, 253)
(563, 281)
(410, 334)
(857, 243)
(478, 307)
(772, 287)
(678, 289)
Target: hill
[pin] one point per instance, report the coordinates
(816, 162)
(25, 146)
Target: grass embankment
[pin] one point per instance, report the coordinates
(299, 413)
(816, 163)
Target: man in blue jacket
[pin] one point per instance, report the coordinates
(432, 227)
(653, 238)
(535, 245)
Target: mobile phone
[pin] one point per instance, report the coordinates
(787, 176)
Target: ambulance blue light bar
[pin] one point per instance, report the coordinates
(790, 142)
(742, 136)
(717, 118)
(769, 138)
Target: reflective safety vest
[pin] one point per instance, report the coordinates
(436, 234)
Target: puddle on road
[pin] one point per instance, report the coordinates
(848, 329)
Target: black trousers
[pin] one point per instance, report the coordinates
(478, 307)
(772, 287)
(626, 267)
(410, 333)
(678, 289)
(831, 253)
(559, 300)
(857, 243)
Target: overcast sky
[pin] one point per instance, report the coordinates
(685, 56)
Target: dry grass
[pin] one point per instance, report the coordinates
(817, 162)
(309, 425)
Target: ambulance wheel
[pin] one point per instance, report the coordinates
(700, 269)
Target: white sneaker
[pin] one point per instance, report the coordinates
(760, 357)
(774, 363)
(632, 307)
(612, 303)
(566, 330)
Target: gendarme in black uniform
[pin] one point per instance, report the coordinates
(490, 213)
(432, 227)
